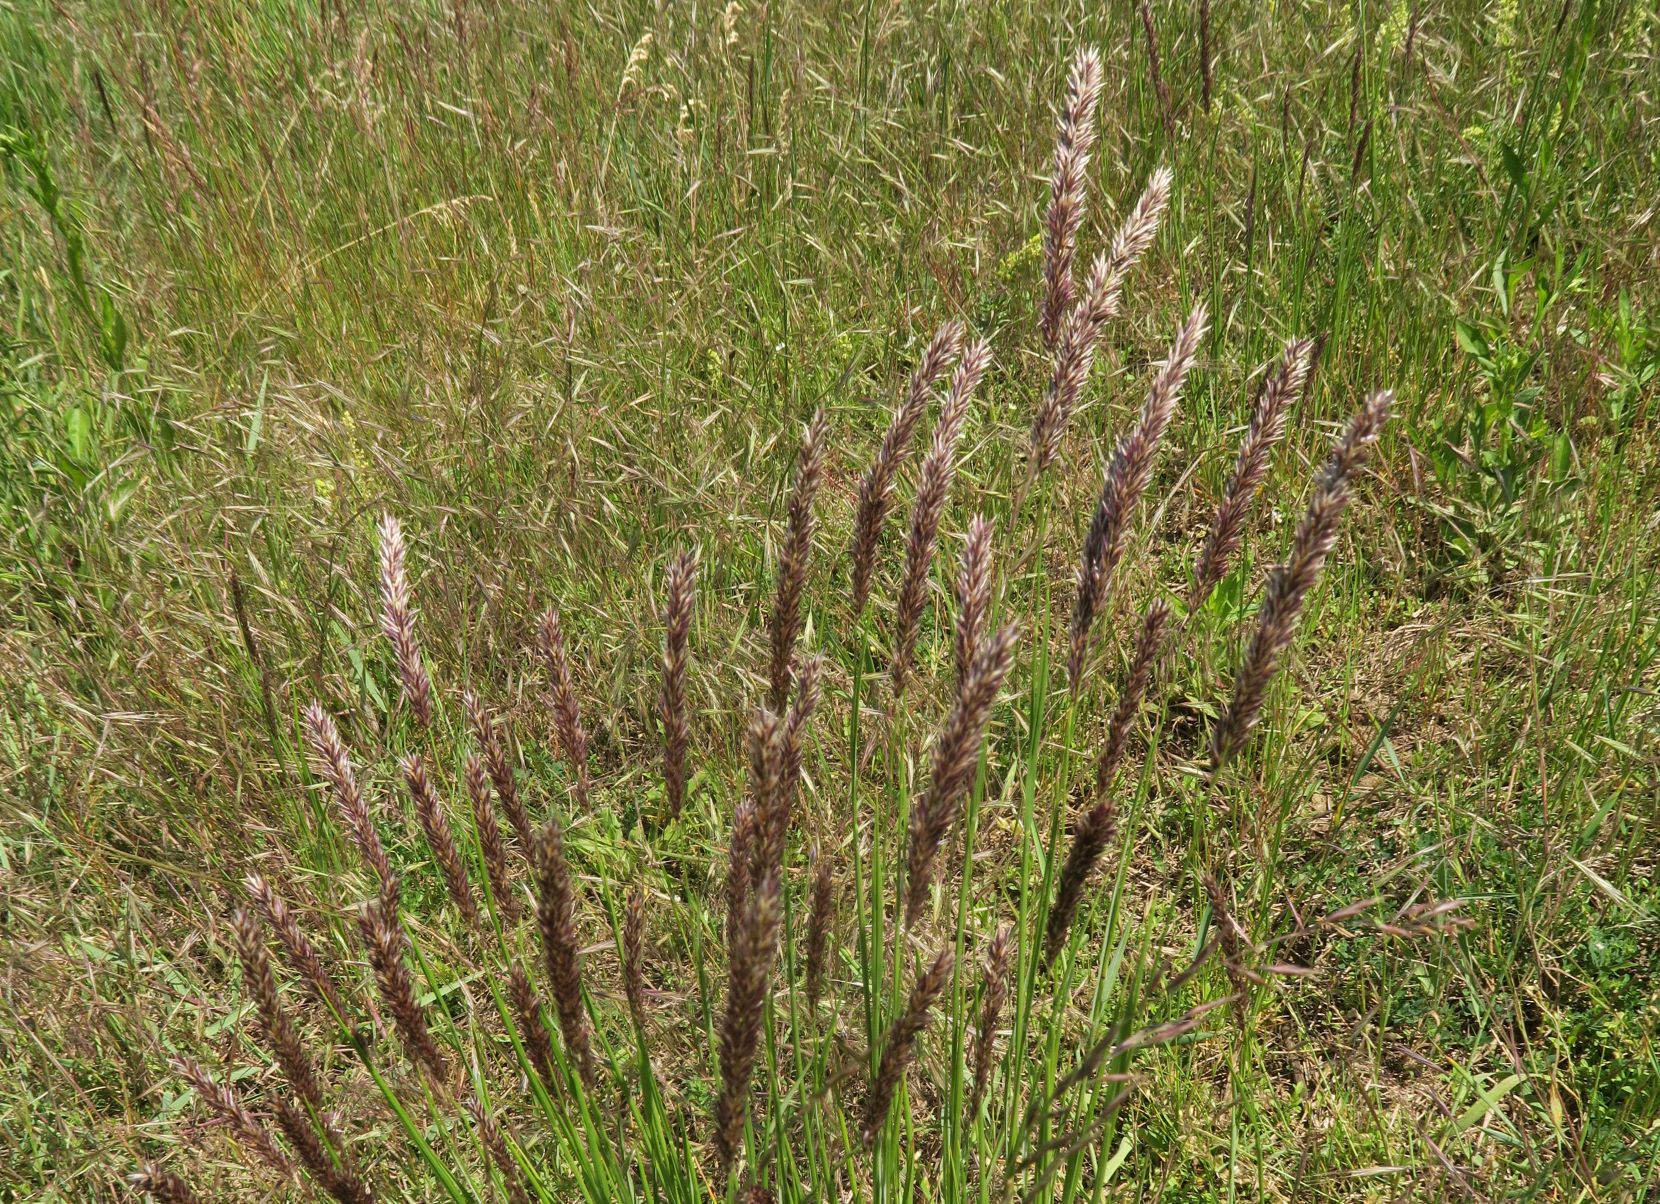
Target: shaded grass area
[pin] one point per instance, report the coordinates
(562, 307)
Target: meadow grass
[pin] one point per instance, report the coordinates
(560, 288)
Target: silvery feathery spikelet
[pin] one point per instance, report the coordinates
(1288, 585)
(1227, 528)
(956, 752)
(1073, 143)
(792, 562)
(681, 580)
(490, 842)
(527, 1007)
(750, 965)
(224, 1100)
(876, 489)
(486, 732)
(634, 956)
(973, 592)
(573, 737)
(302, 954)
(556, 915)
(399, 624)
(1126, 480)
(933, 490)
(436, 826)
(164, 1186)
(1103, 292)
(820, 919)
(330, 761)
(384, 939)
(999, 954)
(1149, 641)
(900, 1044)
(282, 1036)
(1093, 832)
(495, 1144)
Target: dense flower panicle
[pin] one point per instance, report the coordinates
(398, 622)
(533, 1031)
(1149, 643)
(573, 737)
(1289, 584)
(331, 762)
(900, 1045)
(281, 1034)
(164, 1186)
(436, 826)
(973, 593)
(999, 956)
(681, 581)
(749, 966)
(337, 1173)
(1227, 529)
(486, 733)
(792, 561)
(302, 954)
(1074, 141)
(224, 1100)
(820, 919)
(933, 491)
(1103, 292)
(956, 752)
(384, 938)
(634, 956)
(495, 1145)
(1126, 480)
(556, 916)
(1090, 838)
(876, 489)
(741, 858)
(490, 841)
